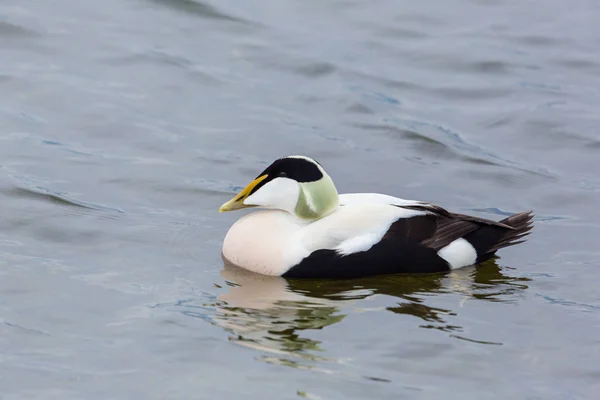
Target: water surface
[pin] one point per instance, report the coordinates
(125, 124)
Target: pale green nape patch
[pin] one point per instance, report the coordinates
(317, 199)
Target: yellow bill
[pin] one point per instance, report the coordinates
(238, 201)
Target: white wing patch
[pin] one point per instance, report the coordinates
(358, 243)
(459, 253)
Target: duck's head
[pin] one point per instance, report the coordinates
(295, 184)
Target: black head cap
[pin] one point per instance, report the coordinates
(297, 168)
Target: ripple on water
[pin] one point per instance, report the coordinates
(13, 31)
(314, 69)
(61, 198)
(434, 149)
(459, 92)
(579, 64)
(537, 41)
(202, 10)
(164, 58)
(396, 84)
(569, 303)
(455, 140)
(468, 65)
(397, 32)
(358, 108)
(24, 329)
(553, 132)
(286, 60)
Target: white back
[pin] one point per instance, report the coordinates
(373, 198)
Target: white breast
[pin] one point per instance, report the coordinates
(263, 242)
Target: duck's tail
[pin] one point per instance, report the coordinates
(522, 223)
(489, 239)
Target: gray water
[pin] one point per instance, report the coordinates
(125, 124)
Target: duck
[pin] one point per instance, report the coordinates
(305, 229)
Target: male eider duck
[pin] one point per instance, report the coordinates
(308, 230)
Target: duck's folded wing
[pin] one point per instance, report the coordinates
(438, 228)
(485, 235)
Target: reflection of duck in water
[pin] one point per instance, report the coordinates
(269, 313)
(309, 231)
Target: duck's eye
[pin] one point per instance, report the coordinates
(283, 174)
